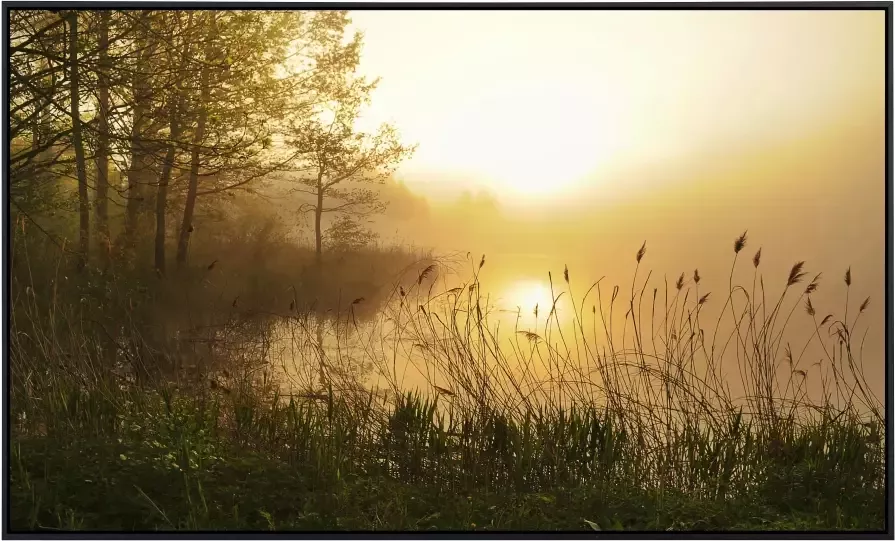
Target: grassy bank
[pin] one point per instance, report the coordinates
(147, 462)
(632, 430)
(89, 486)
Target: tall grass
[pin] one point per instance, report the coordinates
(628, 396)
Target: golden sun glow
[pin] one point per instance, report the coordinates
(533, 154)
(535, 119)
(526, 294)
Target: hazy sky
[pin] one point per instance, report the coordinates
(531, 103)
(596, 130)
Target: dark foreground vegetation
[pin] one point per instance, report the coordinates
(108, 434)
(149, 305)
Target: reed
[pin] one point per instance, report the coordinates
(617, 414)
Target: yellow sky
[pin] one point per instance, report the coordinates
(529, 104)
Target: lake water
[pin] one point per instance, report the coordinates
(541, 337)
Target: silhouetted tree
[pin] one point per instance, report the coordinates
(339, 161)
(81, 166)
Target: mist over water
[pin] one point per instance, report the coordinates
(471, 270)
(534, 316)
(816, 199)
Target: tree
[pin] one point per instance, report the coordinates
(83, 200)
(187, 107)
(259, 67)
(176, 106)
(39, 105)
(339, 161)
(102, 138)
(347, 235)
(186, 226)
(143, 129)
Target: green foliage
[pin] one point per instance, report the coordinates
(347, 235)
(121, 486)
(94, 450)
(144, 401)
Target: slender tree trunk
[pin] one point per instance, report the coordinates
(186, 225)
(318, 277)
(318, 218)
(104, 242)
(161, 200)
(138, 173)
(135, 171)
(102, 142)
(83, 200)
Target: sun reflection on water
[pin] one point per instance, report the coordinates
(527, 295)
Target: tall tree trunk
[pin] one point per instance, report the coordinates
(102, 142)
(161, 200)
(83, 200)
(138, 173)
(186, 225)
(101, 204)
